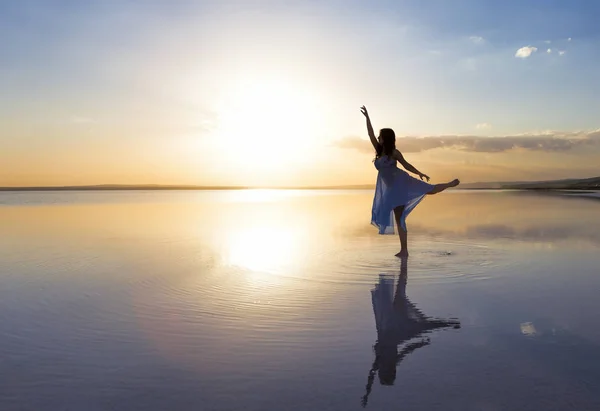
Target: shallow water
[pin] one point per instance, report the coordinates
(262, 300)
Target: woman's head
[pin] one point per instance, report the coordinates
(387, 142)
(387, 352)
(387, 374)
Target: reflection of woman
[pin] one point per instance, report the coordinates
(398, 321)
(397, 193)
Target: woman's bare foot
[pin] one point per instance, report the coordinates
(402, 254)
(454, 182)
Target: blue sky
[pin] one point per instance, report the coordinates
(134, 75)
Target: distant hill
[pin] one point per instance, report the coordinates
(486, 185)
(140, 187)
(567, 184)
(107, 187)
(570, 184)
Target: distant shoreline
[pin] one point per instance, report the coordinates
(569, 184)
(175, 188)
(186, 188)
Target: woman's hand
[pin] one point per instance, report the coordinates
(424, 175)
(363, 110)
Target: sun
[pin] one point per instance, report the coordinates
(268, 122)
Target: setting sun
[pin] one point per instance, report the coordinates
(259, 116)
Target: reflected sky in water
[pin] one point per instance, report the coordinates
(267, 299)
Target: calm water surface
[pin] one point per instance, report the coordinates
(289, 300)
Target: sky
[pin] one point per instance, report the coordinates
(267, 93)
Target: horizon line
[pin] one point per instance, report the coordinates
(176, 187)
(138, 187)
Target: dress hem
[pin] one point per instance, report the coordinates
(408, 207)
(395, 188)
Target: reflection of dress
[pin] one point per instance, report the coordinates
(395, 187)
(398, 321)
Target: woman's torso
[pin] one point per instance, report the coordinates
(389, 172)
(385, 162)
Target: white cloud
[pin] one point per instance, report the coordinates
(549, 51)
(525, 52)
(569, 39)
(477, 39)
(483, 126)
(561, 52)
(528, 329)
(547, 42)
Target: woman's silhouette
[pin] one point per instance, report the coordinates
(398, 321)
(396, 193)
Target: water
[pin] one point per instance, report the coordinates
(262, 300)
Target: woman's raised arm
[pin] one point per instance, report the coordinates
(374, 141)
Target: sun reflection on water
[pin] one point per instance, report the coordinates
(263, 249)
(259, 195)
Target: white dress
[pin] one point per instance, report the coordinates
(395, 187)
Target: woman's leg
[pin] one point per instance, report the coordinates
(401, 232)
(438, 188)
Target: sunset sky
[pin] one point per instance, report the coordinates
(268, 92)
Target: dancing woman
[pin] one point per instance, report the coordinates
(397, 193)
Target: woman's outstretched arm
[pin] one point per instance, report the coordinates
(398, 156)
(408, 349)
(374, 141)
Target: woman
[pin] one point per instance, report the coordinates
(397, 193)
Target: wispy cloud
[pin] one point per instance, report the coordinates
(549, 142)
(477, 40)
(561, 52)
(549, 51)
(483, 126)
(525, 52)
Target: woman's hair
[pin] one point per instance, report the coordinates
(388, 143)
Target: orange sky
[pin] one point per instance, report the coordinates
(216, 95)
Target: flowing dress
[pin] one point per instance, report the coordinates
(395, 187)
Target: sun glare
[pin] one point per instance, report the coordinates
(259, 117)
(262, 249)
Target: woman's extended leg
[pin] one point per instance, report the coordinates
(438, 188)
(401, 232)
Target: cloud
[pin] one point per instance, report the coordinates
(548, 142)
(569, 39)
(549, 51)
(477, 40)
(525, 52)
(561, 52)
(547, 42)
(483, 126)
